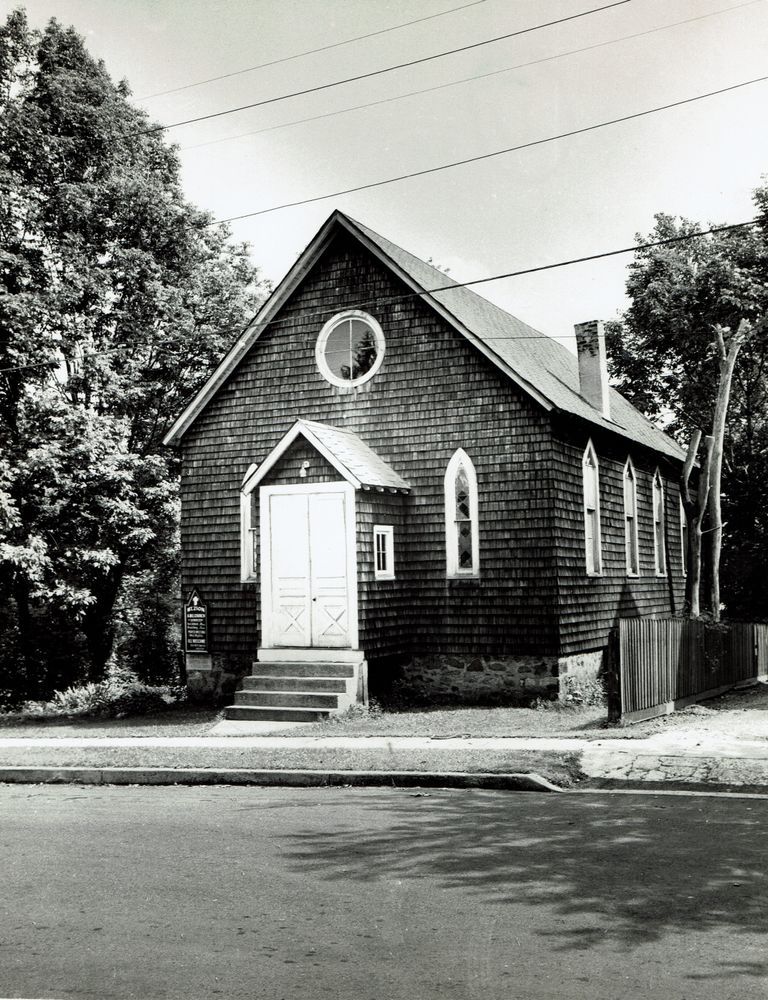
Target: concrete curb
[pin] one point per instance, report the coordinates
(529, 782)
(671, 786)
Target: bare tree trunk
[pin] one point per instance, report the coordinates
(689, 511)
(695, 529)
(728, 357)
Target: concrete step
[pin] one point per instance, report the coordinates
(286, 699)
(330, 685)
(298, 669)
(255, 713)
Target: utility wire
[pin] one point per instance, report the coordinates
(309, 52)
(651, 244)
(486, 156)
(389, 300)
(377, 72)
(469, 79)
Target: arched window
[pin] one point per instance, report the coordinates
(630, 520)
(592, 547)
(659, 551)
(461, 529)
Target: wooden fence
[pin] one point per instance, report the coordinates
(664, 664)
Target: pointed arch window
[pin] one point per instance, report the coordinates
(659, 551)
(461, 522)
(592, 544)
(631, 547)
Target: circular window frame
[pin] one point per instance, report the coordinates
(322, 340)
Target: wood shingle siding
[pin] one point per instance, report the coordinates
(430, 397)
(590, 606)
(434, 393)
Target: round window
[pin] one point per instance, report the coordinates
(350, 348)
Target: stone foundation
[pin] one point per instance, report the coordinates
(211, 679)
(482, 679)
(580, 674)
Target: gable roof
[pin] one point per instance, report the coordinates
(351, 457)
(541, 366)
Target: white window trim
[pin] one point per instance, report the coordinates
(322, 340)
(659, 555)
(460, 459)
(248, 569)
(590, 453)
(684, 528)
(387, 531)
(629, 466)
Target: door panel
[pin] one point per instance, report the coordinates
(328, 563)
(291, 598)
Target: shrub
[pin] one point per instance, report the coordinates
(114, 698)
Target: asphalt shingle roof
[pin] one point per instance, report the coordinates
(540, 364)
(349, 451)
(538, 359)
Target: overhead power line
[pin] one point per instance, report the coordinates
(309, 52)
(391, 299)
(487, 156)
(378, 72)
(470, 79)
(522, 272)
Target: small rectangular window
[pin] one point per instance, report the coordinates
(383, 552)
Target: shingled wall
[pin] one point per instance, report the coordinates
(589, 606)
(533, 612)
(432, 395)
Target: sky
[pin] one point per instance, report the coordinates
(558, 200)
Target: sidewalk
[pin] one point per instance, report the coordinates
(681, 759)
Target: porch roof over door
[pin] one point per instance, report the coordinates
(346, 452)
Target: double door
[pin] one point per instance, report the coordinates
(307, 597)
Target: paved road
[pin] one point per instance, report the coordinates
(380, 895)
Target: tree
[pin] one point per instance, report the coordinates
(692, 342)
(117, 298)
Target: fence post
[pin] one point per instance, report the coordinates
(612, 674)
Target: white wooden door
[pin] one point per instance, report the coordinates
(290, 584)
(309, 587)
(328, 567)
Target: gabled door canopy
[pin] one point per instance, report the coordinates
(355, 462)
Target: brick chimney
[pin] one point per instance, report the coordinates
(593, 365)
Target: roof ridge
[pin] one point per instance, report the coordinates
(463, 286)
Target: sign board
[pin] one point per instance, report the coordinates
(195, 624)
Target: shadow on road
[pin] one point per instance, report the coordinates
(614, 872)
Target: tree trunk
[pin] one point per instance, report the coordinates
(26, 645)
(99, 627)
(727, 363)
(689, 511)
(695, 531)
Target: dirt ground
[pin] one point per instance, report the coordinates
(742, 713)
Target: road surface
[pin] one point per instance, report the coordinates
(373, 894)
